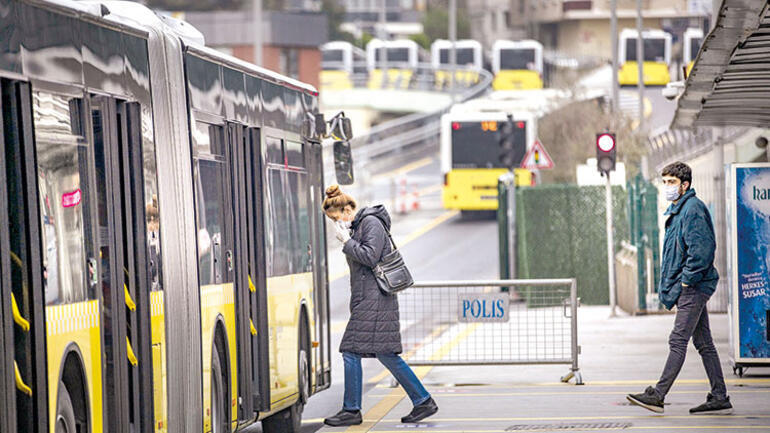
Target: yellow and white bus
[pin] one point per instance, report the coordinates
(693, 39)
(517, 65)
(163, 261)
(470, 156)
(469, 61)
(339, 61)
(657, 57)
(402, 58)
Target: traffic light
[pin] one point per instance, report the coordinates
(511, 152)
(605, 152)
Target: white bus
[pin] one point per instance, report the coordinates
(517, 65)
(657, 57)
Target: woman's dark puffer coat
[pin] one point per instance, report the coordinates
(373, 327)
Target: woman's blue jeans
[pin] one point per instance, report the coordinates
(398, 368)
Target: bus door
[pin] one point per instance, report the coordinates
(122, 256)
(321, 350)
(23, 390)
(251, 296)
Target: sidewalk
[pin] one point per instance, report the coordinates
(619, 356)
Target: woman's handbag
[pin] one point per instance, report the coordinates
(391, 273)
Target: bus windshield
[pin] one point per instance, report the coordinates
(476, 144)
(654, 50)
(517, 59)
(394, 55)
(465, 56)
(332, 55)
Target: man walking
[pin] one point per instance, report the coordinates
(688, 278)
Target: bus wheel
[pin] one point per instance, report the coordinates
(219, 423)
(290, 420)
(65, 413)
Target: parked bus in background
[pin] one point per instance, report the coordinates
(163, 265)
(340, 60)
(517, 65)
(693, 39)
(470, 156)
(469, 61)
(402, 58)
(657, 57)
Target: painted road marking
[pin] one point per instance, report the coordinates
(436, 332)
(409, 238)
(591, 418)
(430, 189)
(384, 406)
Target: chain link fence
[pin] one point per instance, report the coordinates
(504, 322)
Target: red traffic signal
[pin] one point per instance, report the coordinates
(605, 152)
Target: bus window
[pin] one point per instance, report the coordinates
(68, 276)
(395, 55)
(332, 56)
(475, 144)
(465, 56)
(654, 50)
(278, 237)
(517, 59)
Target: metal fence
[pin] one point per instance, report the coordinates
(502, 322)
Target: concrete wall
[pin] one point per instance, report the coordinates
(592, 37)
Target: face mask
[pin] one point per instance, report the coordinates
(347, 224)
(672, 192)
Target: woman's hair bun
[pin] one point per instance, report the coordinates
(333, 191)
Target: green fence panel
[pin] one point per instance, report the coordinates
(562, 234)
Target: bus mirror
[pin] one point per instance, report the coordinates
(347, 128)
(320, 125)
(341, 128)
(343, 162)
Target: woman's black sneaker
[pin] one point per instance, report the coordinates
(344, 417)
(712, 406)
(420, 412)
(648, 399)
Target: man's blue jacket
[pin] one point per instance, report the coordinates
(688, 250)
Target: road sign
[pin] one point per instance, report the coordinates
(537, 157)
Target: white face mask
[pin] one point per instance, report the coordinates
(672, 192)
(347, 224)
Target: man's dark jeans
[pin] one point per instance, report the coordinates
(692, 320)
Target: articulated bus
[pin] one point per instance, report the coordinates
(469, 61)
(470, 156)
(693, 39)
(401, 60)
(340, 60)
(517, 65)
(163, 260)
(657, 57)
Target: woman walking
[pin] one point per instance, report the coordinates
(373, 329)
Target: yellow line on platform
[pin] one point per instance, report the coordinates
(436, 332)
(591, 418)
(610, 383)
(430, 189)
(384, 406)
(575, 393)
(651, 427)
(409, 238)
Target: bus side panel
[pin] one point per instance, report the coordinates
(158, 332)
(75, 325)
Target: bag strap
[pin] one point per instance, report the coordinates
(385, 226)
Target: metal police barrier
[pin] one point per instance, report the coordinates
(478, 323)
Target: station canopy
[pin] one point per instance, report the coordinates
(730, 82)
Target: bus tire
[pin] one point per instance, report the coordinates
(65, 412)
(289, 420)
(219, 406)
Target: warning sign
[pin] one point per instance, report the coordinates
(537, 157)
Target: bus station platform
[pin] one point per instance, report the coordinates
(619, 356)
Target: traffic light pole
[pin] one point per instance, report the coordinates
(610, 248)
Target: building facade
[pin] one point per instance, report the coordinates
(290, 40)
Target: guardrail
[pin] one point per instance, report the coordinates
(414, 128)
(501, 322)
